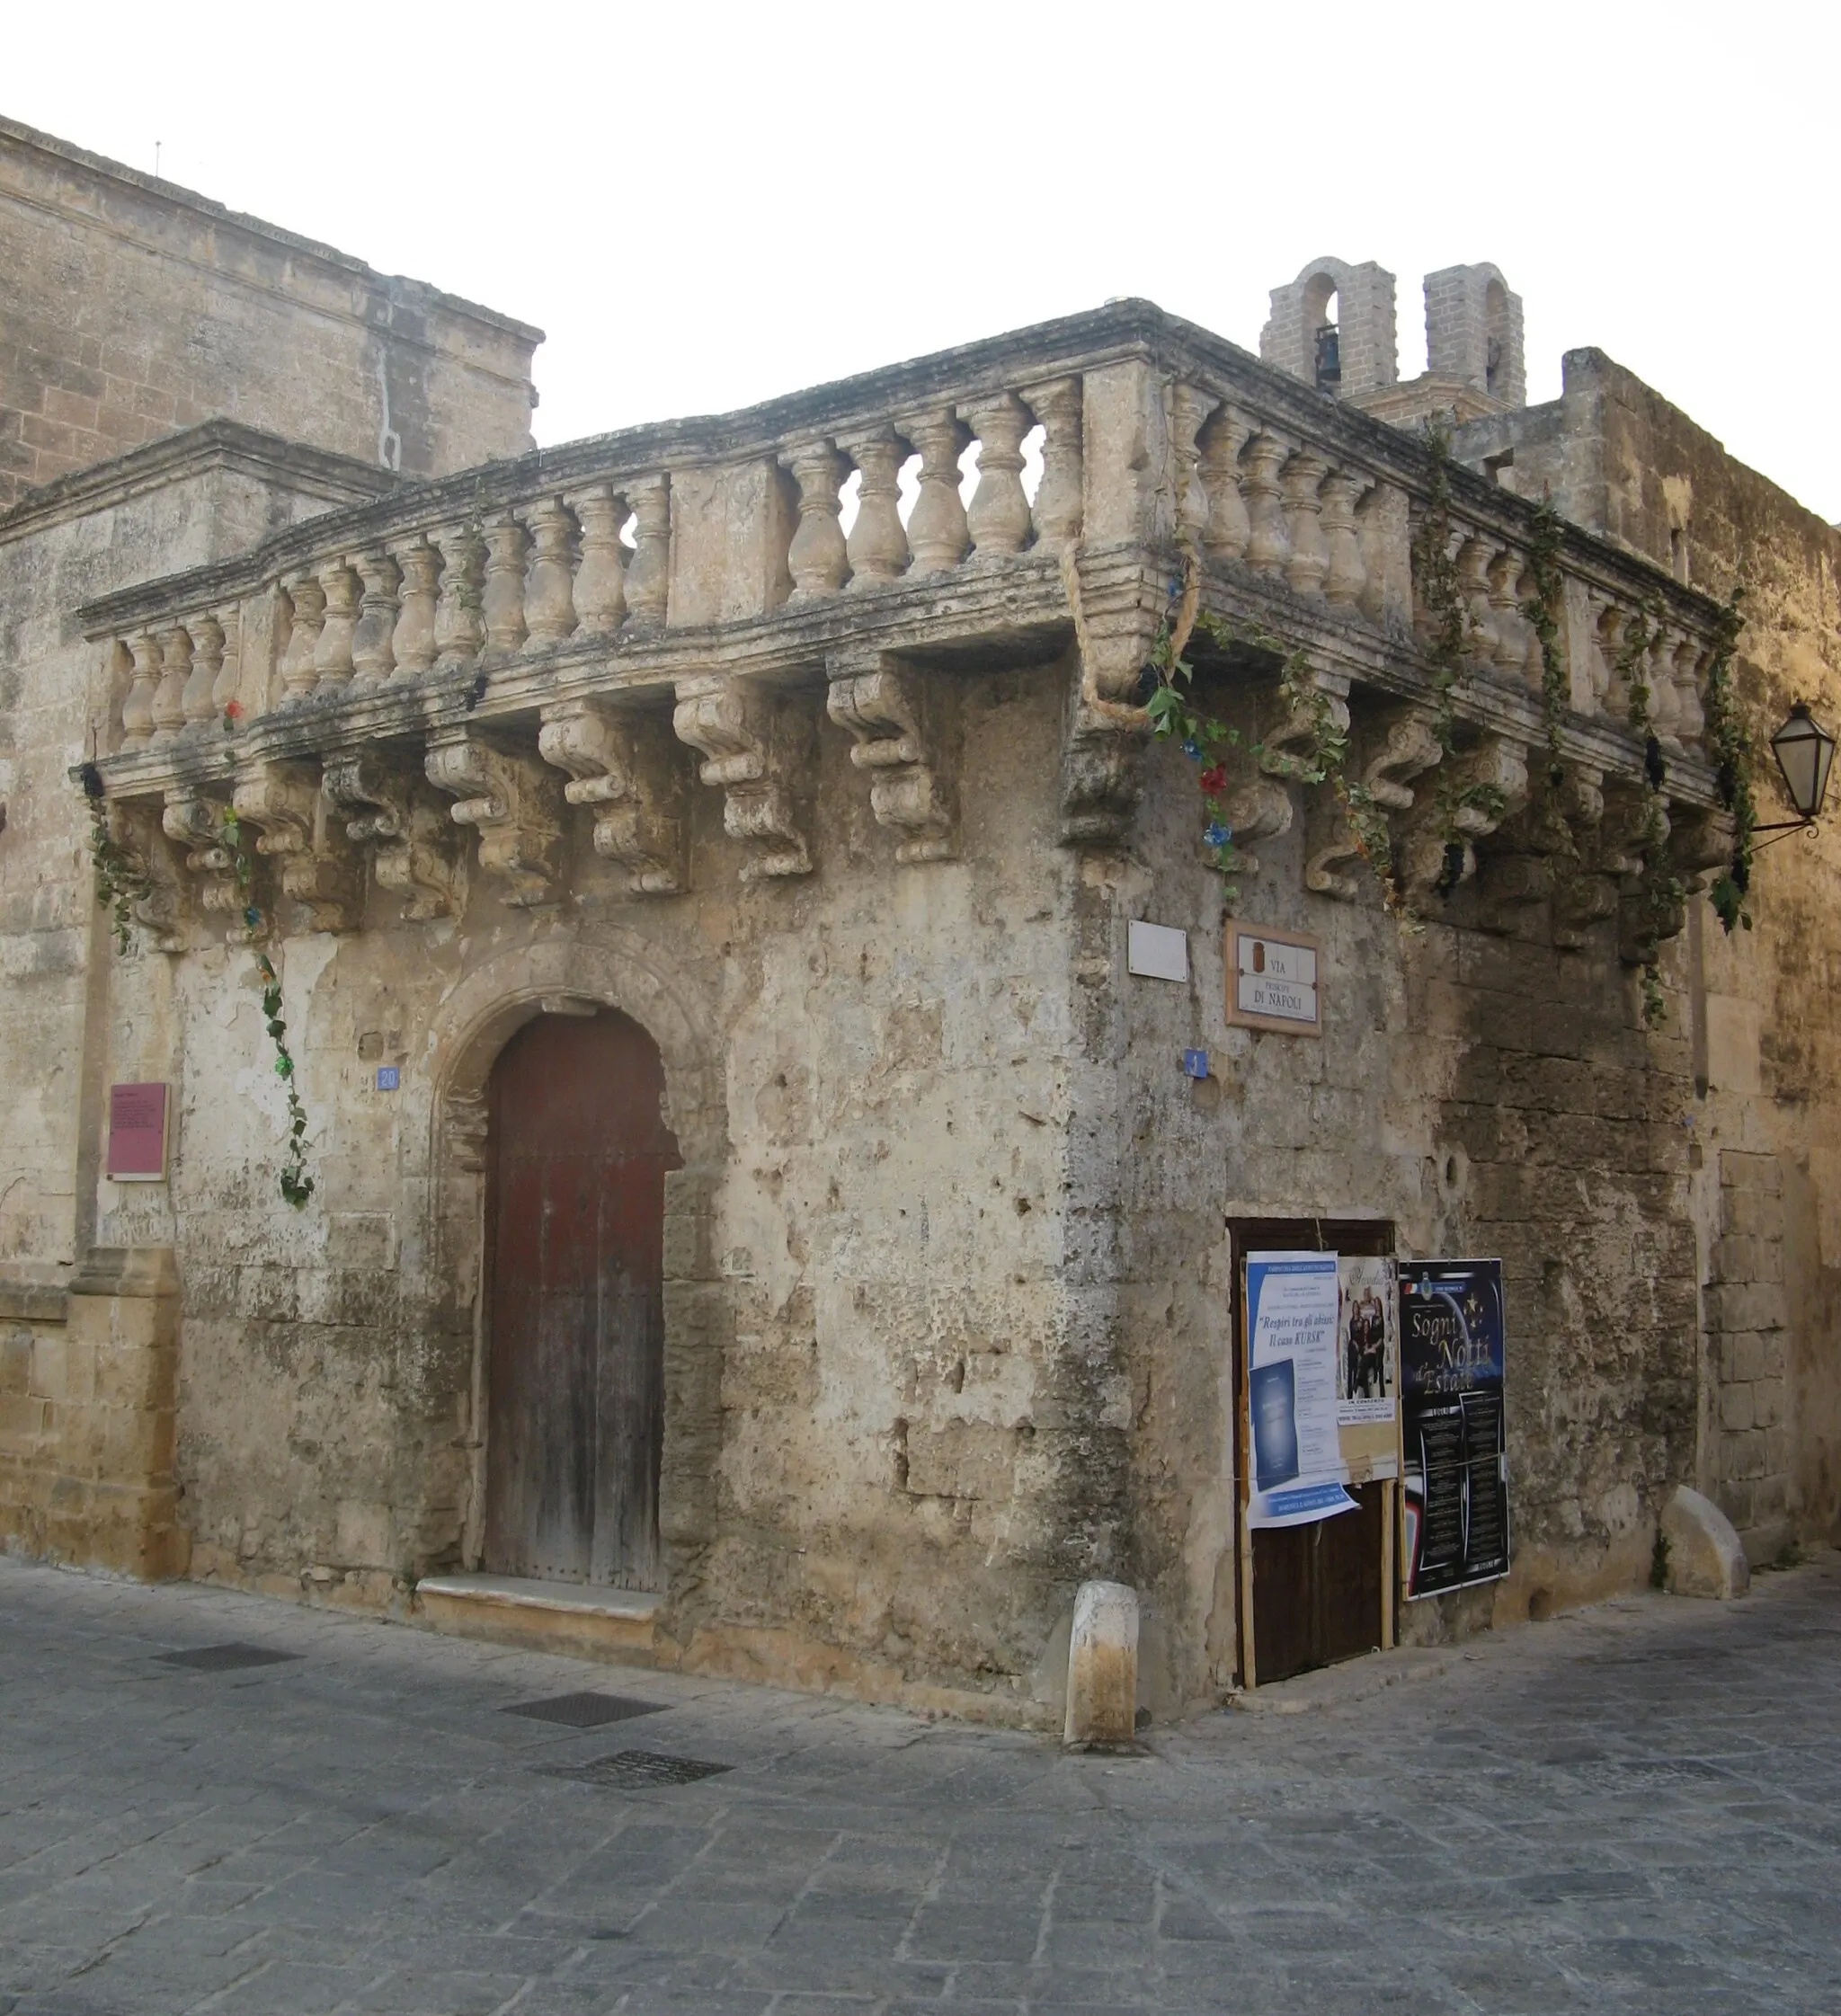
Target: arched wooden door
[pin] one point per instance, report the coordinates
(575, 1356)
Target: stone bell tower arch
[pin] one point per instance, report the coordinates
(1334, 327)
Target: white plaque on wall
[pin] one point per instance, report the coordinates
(1156, 951)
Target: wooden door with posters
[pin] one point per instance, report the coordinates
(1312, 1594)
(575, 1356)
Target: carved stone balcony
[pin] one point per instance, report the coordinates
(432, 685)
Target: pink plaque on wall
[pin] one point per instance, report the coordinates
(138, 1133)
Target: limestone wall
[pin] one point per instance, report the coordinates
(1757, 1012)
(134, 308)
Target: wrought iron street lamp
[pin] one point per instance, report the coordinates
(1805, 753)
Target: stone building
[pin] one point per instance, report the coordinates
(759, 1222)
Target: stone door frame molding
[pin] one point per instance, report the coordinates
(614, 968)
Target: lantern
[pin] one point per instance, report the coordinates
(1805, 751)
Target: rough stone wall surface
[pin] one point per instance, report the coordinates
(134, 308)
(1622, 461)
(884, 1334)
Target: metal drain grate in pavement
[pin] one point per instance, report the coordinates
(583, 1711)
(630, 1770)
(224, 1658)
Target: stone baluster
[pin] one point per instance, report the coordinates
(458, 630)
(600, 593)
(549, 583)
(818, 559)
(1058, 500)
(138, 703)
(373, 659)
(1310, 556)
(1348, 576)
(937, 529)
(1533, 665)
(1665, 705)
(999, 517)
(878, 548)
(412, 642)
(1690, 714)
(332, 653)
(1268, 538)
(1229, 529)
(1511, 650)
(207, 665)
(502, 603)
(1473, 586)
(307, 601)
(649, 571)
(169, 695)
(229, 679)
(1189, 410)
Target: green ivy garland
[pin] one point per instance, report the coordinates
(120, 880)
(1539, 611)
(1729, 743)
(1663, 893)
(296, 1185)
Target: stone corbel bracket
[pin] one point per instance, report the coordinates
(1284, 750)
(1484, 787)
(739, 728)
(1259, 809)
(416, 852)
(195, 825)
(321, 877)
(1116, 609)
(163, 906)
(903, 736)
(513, 802)
(617, 764)
(1406, 748)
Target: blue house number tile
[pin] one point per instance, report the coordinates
(388, 1077)
(1196, 1063)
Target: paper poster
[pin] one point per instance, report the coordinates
(1367, 1355)
(1456, 1450)
(1293, 1299)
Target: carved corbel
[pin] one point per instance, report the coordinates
(1284, 749)
(741, 730)
(161, 902)
(1408, 747)
(1486, 786)
(513, 802)
(1115, 623)
(617, 764)
(416, 850)
(1257, 810)
(295, 825)
(1700, 842)
(902, 736)
(194, 823)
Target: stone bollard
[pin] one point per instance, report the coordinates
(1705, 1555)
(1102, 1666)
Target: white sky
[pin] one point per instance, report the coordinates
(706, 205)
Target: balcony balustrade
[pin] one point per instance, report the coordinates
(594, 632)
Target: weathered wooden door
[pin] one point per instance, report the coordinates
(575, 1358)
(1319, 1592)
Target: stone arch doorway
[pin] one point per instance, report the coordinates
(577, 1154)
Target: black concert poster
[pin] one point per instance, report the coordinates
(1455, 1450)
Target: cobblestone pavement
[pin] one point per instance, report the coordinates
(1633, 1808)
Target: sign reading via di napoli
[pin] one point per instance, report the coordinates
(1456, 1450)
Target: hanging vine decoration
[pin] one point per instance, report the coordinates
(1204, 738)
(296, 1185)
(1729, 743)
(1663, 893)
(1541, 611)
(1451, 627)
(121, 881)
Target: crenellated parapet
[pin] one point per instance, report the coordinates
(457, 678)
